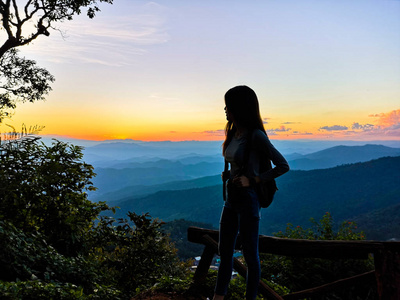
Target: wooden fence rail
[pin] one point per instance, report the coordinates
(386, 259)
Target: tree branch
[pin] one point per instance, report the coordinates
(6, 18)
(16, 11)
(26, 8)
(44, 13)
(19, 24)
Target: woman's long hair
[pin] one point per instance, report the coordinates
(241, 101)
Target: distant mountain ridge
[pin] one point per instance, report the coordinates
(143, 190)
(123, 149)
(340, 155)
(125, 174)
(126, 150)
(112, 179)
(347, 192)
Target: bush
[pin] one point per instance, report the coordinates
(53, 242)
(131, 258)
(26, 256)
(38, 290)
(303, 273)
(43, 190)
(136, 252)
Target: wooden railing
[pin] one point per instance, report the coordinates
(386, 259)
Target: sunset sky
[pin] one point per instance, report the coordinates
(159, 70)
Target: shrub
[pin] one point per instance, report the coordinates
(54, 243)
(27, 261)
(302, 273)
(136, 252)
(43, 190)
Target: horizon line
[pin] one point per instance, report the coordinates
(52, 136)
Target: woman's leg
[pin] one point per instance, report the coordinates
(227, 239)
(249, 232)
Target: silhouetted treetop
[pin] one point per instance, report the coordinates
(18, 17)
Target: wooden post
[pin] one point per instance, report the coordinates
(387, 271)
(205, 262)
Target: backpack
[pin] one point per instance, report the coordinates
(266, 190)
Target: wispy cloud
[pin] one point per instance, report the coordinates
(289, 123)
(219, 132)
(275, 130)
(358, 126)
(107, 40)
(161, 97)
(334, 128)
(301, 133)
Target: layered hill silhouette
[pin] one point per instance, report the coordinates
(339, 155)
(363, 192)
(152, 173)
(136, 174)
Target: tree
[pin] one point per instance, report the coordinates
(43, 189)
(43, 14)
(136, 253)
(20, 78)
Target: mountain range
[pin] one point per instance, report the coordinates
(180, 180)
(360, 192)
(137, 175)
(340, 155)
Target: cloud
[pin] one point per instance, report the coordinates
(125, 37)
(301, 133)
(334, 128)
(219, 132)
(388, 119)
(162, 97)
(385, 125)
(365, 127)
(265, 120)
(270, 132)
(288, 123)
(280, 129)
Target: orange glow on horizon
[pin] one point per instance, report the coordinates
(87, 125)
(182, 136)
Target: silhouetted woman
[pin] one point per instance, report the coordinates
(241, 212)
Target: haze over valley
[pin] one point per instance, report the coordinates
(355, 181)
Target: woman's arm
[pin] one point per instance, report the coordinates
(267, 151)
(262, 143)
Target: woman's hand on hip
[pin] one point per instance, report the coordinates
(241, 181)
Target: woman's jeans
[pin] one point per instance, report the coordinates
(243, 218)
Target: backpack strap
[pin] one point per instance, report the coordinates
(246, 157)
(225, 179)
(247, 150)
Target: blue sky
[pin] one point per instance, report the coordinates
(159, 70)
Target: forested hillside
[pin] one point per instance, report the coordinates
(347, 192)
(119, 177)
